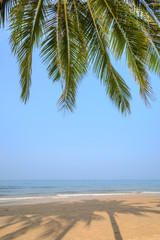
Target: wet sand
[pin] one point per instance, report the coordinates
(123, 218)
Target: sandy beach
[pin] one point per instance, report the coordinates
(125, 218)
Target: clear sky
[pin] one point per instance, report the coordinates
(95, 142)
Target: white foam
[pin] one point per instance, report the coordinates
(81, 195)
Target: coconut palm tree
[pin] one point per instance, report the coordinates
(77, 35)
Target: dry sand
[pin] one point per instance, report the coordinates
(125, 218)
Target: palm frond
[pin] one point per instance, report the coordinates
(75, 34)
(151, 7)
(65, 49)
(149, 16)
(115, 86)
(131, 31)
(5, 7)
(154, 55)
(26, 25)
(50, 45)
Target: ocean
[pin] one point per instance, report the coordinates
(12, 191)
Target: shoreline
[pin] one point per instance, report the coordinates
(112, 218)
(71, 197)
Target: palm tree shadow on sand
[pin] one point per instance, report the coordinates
(69, 212)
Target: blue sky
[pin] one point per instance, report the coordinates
(95, 142)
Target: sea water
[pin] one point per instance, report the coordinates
(70, 188)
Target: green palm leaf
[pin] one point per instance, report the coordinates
(150, 7)
(64, 47)
(5, 7)
(76, 34)
(131, 32)
(150, 14)
(27, 19)
(115, 86)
